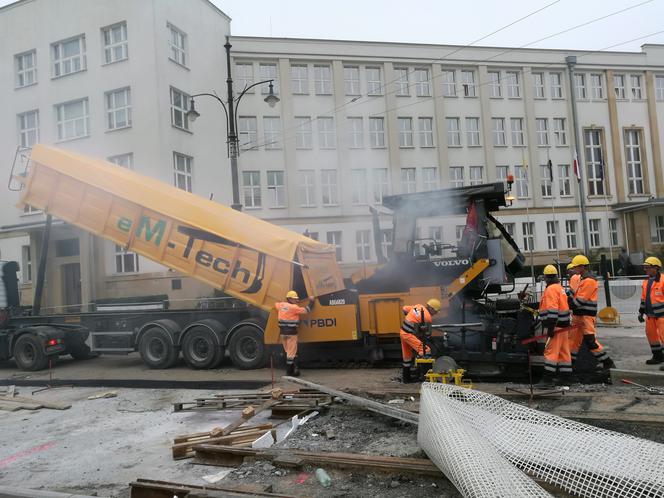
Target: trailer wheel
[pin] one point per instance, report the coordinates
(157, 349)
(29, 353)
(247, 348)
(201, 349)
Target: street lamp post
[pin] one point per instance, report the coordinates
(230, 108)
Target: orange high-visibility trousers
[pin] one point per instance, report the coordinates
(289, 343)
(409, 344)
(584, 325)
(655, 333)
(557, 357)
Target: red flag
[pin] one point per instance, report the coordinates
(577, 173)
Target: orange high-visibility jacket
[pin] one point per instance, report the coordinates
(574, 282)
(415, 316)
(553, 306)
(656, 297)
(584, 301)
(289, 316)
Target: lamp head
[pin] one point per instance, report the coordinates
(192, 113)
(271, 98)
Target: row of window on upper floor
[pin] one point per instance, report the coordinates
(69, 56)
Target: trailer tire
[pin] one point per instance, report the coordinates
(157, 348)
(201, 348)
(247, 347)
(29, 353)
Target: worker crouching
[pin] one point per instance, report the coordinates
(289, 313)
(417, 317)
(555, 317)
(652, 305)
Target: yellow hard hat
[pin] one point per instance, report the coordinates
(292, 295)
(653, 261)
(570, 266)
(434, 304)
(580, 260)
(550, 270)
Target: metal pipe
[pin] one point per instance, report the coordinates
(232, 136)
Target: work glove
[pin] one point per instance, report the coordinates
(550, 332)
(640, 318)
(569, 293)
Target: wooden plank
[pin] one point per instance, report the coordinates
(184, 450)
(35, 401)
(234, 425)
(188, 437)
(148, 488)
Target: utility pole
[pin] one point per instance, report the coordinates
(232, 135)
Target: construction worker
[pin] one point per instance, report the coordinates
(289, 320)
(583, 303)
(555, 317)
(652, 305)
(417, 316)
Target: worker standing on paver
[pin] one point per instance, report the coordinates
(652, 305)
(289, 320)
(555, 317)
(417, 317)
(583, 303)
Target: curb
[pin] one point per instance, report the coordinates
(138, 383)
(9, 492)
(642, 377)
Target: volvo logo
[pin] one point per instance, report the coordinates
(452, 262)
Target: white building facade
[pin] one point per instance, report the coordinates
(356, 121)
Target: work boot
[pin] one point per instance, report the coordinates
(608, 364)
(290, 369)
(563, 379)
(407, 376)
(296, 369)
(657, 358)
(546, 381)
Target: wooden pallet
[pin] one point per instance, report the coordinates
(308, 397)
(148, 488)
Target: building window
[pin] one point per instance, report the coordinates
(473, 131)
(244, 76)
(613, 231)
(556, 85)
(311, 235)
(329, 187)
(386, 237)
(405, 132)
(422, 82)
(619, 86)
(538, 85)
(363, 245)
(272, 132)
(251, 187)
(73, 119)
(570, 231)
(118, 109)
(374, 81)
(425, 126)
(408, 181)
(381, 186)
(634, 165)
(476, 175)
(182, 171)
(359, 186)
(28, 128)
(322, 80)
(453, 132)
(542, 128)
(517, 131)
(521, 182)
(115, 42)
(352, 80)
(635, 81)
(247, 128)
(268, 72)
(509, 228)
(580, 85)
(377, 133)
(68, 56)
(307, 187)
(501, 174)
(659, 229)
(179, 109)
(552, 235)
(177, 42)
(458, 233)
(429, 179)
(498, 129)
(26, 68)
(494, 84)
(559, 132)
(334, 239)
(124, 160)
(594, 227)
(456, 176)
(659, 87)
(596, 86)
(546, 181)
(327, 137)
(303, 133)
(594, 165)
(513, 90)
(276, 190)
(449, 84)
(355, 135)
(299, 79)
(26, 264)
(468, 83)
(401, 81)
(564, 180)
(528, 236)
(125, 261)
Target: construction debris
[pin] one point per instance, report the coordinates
(13, 403)
(103, 395)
